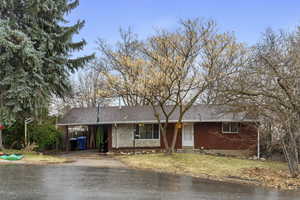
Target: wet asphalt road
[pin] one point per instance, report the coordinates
(80, 183)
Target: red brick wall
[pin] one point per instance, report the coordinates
(210, 136)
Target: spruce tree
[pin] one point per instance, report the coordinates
(36, 49)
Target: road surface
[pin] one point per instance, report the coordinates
(53, 182)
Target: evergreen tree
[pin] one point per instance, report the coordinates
(36, 52)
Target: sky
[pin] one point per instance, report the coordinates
(247, 19)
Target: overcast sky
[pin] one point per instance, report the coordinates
(248, 19)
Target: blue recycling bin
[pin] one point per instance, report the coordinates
(81, 143)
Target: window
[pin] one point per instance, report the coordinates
(147, 131)
(230, 127)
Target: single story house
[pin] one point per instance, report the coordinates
(205, 127)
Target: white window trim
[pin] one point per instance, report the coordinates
(152, 133)
(231, 132)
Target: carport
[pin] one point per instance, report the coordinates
(96, 136)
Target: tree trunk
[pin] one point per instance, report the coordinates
(165, 140)
(174, 139)
(176, 130)
(1, 141)
(291, 154)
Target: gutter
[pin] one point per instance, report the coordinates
(148, 121)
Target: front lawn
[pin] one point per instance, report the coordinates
(267, 173)
(35, 158)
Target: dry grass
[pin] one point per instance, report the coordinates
(33, 157)
(273, 174)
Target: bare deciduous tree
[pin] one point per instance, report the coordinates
(270, 84)
(125, 62)
(88, 90)
(171, 70)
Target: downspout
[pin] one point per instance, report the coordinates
(258, 144)
(120, 107)
(97, 129)
(98, 113)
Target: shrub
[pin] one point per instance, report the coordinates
(13, 136)
(46, 136)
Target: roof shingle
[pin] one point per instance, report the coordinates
(144, 114)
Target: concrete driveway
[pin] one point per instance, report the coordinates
(91, 159)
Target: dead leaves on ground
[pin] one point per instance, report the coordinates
(272, 178)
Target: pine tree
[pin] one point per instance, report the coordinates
(36, 52)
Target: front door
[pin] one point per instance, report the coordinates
(188, 135)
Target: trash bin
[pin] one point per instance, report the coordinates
(73, 144)
(103, 147)
(81, 143)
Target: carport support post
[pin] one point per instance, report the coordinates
(134, 144)
(67, 138)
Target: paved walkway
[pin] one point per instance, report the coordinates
(92, 159)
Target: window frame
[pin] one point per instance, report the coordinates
(137, 132)
(230, 128)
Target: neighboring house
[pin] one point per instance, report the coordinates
(206, 127)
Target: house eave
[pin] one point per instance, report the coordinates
(148, 121)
